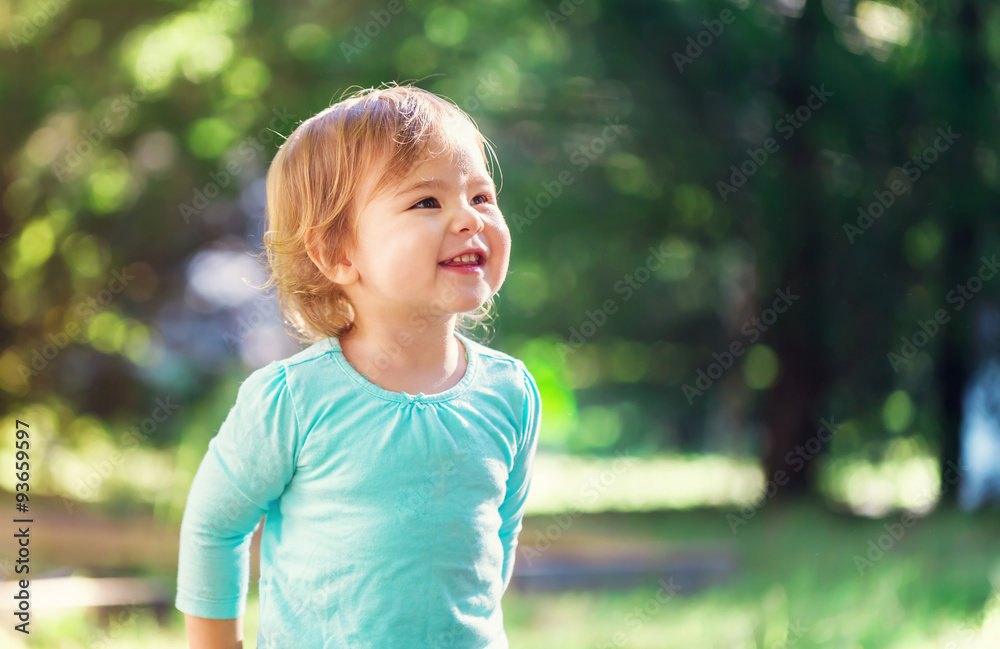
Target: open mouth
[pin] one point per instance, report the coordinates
(468, 260)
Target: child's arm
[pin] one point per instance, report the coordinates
(205, 633)
(519, 480)
(247, 466)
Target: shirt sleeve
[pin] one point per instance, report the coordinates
(246, 468)
(519, 479)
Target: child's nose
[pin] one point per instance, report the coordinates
(469, 218)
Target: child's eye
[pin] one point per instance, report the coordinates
(486, 199)
(418, 203)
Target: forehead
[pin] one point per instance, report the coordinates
(464, 155)
(455, 155)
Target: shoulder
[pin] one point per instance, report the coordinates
(302, 368)
(503, 368)
(509, 375)
(282, 376)
(497, 361)
(308, 356)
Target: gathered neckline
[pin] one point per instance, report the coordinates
(472, 365)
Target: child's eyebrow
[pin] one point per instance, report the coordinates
(434, 183)
(437, 183)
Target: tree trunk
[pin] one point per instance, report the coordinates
(953, 366)
(793, 406)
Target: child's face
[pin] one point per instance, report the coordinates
(406, 235)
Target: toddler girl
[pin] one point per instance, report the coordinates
(393, 455)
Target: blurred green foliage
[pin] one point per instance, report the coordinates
(134, 134)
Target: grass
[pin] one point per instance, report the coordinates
(937, 586)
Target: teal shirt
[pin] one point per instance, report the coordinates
(391, 518)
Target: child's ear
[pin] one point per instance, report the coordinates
(343, 272)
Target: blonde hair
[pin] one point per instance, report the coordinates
(313, 194)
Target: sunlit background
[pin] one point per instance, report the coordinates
(752, 274)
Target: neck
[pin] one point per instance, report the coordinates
(403, 356)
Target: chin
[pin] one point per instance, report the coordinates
(468, 307)
(468, 303)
